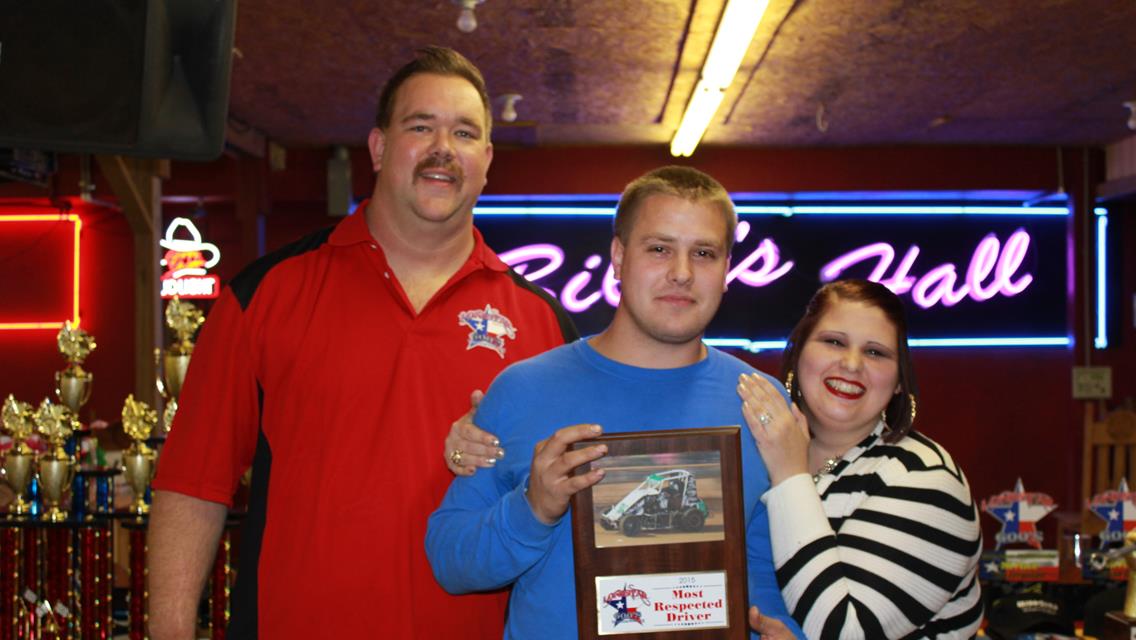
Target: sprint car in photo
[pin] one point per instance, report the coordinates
(664, 501)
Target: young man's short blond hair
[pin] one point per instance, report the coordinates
(678, 181)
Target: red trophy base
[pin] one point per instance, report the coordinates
(1118, 626)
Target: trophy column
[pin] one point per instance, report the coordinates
(59, 575)
(94, 611)
(219, 585)
(138, 595)
(9, 579)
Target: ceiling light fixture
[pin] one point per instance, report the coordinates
(735, 32)
(467, 21)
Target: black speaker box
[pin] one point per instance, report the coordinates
(131, 77)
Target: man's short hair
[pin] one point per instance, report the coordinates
(678, 181)
(441, 61)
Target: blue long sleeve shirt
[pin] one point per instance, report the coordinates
(485, 536)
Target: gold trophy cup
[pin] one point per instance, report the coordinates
(73, 384)
(56, 468)
(20, 460)
(138, 420)
(183, 319)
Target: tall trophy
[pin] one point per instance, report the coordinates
(55, 423)
(183, 319)
(18, 422)
(73, 384)
(138, 420)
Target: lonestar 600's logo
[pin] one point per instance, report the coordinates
(621, 600)
(488, 328)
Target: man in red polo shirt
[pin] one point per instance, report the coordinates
(335, 366)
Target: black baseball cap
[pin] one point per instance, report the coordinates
(1022, 613)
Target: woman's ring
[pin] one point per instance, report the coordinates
(456, 457)
(765, 419)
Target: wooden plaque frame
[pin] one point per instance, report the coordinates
(726, 555)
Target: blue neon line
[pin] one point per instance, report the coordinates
(1101, 341)
(748, 345)
(1025, 341)
(750, 209)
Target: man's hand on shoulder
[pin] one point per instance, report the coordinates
(768, 628)
(550, 484)
(467, 446)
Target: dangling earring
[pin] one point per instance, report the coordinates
(911, 397)
(789, 385)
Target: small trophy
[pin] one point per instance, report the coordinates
(73, 384)
(55, 423)
(17, 420)
(138, 420)
(183, 319)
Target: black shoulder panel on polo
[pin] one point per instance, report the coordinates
(567, 327)
(246, 282)
(243, 623)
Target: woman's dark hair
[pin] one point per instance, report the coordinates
(876, 295)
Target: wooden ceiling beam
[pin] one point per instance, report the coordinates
(137, 183)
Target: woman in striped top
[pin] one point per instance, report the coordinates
(874, 531)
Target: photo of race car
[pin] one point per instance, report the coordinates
(663, 501)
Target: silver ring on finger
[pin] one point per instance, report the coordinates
(764, 418)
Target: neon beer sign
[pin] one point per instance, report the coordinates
(187, 261)
(994, 269)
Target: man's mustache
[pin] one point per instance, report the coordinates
(435, 162)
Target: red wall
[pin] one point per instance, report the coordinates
(1003, 413)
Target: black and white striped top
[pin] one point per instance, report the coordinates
(885, 546)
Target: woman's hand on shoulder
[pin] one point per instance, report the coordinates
(781, 430)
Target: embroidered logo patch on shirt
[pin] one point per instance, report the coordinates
(488, 328)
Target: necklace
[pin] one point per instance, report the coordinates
(825, 469)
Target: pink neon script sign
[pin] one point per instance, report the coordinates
(992, 271)
(938, 284)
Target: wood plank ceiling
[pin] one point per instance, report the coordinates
(819, 73)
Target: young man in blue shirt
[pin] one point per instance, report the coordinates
(648, 370)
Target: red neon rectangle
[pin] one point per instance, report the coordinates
(41, 269)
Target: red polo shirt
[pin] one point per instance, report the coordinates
(314, 362)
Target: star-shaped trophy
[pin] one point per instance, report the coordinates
(138, 420)
(19, 423)
(73, 384)
(55, 422)
(184, 320)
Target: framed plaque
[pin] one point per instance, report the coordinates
(659, 543)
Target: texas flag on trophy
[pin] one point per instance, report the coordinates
(1019, 511)
(1118, 510)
